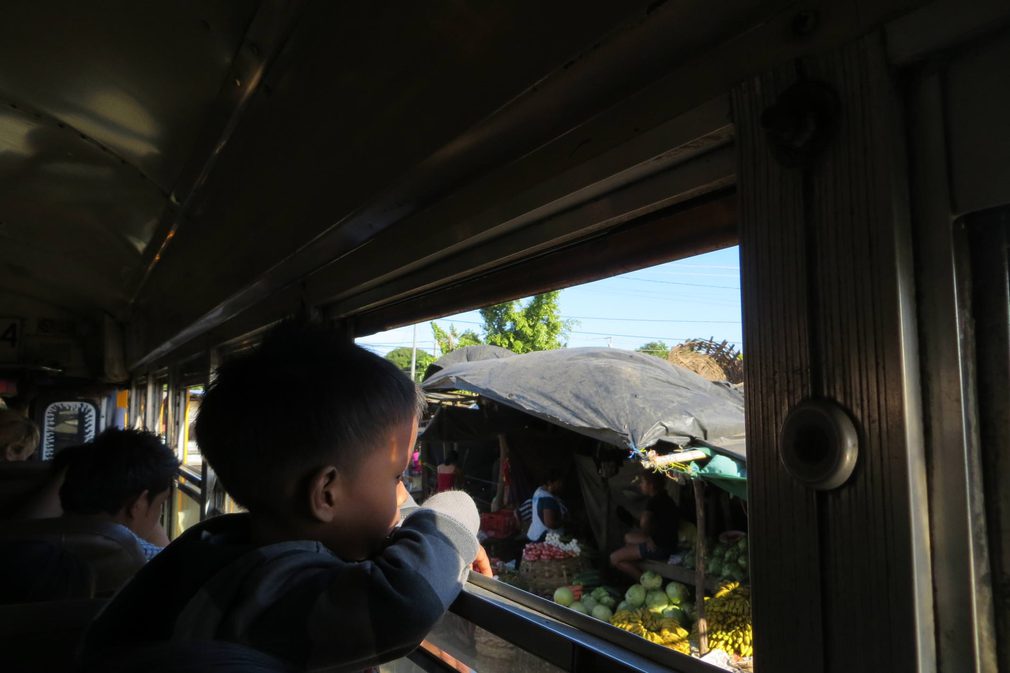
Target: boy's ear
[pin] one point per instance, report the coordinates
(326, 490)
(136, 507)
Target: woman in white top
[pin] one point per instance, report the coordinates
(548, 512)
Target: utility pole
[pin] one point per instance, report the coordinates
(413, 354)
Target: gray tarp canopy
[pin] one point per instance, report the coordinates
(467, 354)
(624, 398)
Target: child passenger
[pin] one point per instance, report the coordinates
(311, 434)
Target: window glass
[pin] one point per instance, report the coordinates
(162, 418)
(481, 650)
(187, 512)
(191, 456)
(626, 366)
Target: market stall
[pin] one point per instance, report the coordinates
(661, 417)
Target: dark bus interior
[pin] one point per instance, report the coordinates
(176, 177)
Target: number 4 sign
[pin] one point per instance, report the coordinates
(10, 339)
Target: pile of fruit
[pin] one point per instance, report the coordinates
(551, 548)
(725, 560)
(729, 623)
(673, 602)
(657, 629)
(599, 603)
(648, 610)
(659, 615)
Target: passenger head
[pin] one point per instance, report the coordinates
(311, 433)
(554, 480)
(19, 437)
(123, 474)
(452, 458)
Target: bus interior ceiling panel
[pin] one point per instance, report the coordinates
(484, 129)
(605, 191)
(99, 117)
(430, 151)
(321, 143)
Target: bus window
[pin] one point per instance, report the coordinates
(191, 456)
(161, 429)
(187, 507)
(608, 362)
(455, 640)
(67, 424)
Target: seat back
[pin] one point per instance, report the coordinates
(110, 551)
(44, 636)
(210, 656)
(35, 570)
(18, 482)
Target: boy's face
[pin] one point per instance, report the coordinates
(370, 497)
(144, 514)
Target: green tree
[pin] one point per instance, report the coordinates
(535, 326)
(657, 348)
(449, 340)
(401, 358)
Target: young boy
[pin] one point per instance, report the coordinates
(310, 434)
(123, 477)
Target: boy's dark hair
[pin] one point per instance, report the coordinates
(105, 475)
(452, 458)
(330, 402)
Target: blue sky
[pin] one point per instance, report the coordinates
(697, 297)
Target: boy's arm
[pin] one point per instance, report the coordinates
(366, 613)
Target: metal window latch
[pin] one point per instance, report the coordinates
(819, 444)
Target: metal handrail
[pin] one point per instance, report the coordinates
(562, 636)
(191, 477)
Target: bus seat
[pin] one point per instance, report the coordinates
(110, 551)
(18, 482)
(44, 636)
(32, 571)
(211, 656)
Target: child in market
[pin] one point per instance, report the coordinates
(333, 565)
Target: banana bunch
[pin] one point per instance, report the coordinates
(654, 628)
(728, 617)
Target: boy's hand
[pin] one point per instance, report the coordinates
(402, 495)
(482, 564)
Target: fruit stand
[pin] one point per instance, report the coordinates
(673, 409)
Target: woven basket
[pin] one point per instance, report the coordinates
(546, 575)
(699, 363)
(715, 361)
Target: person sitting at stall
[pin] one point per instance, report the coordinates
(450, 474)
(547, 511)
(656, 537)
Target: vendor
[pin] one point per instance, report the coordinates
(656, 537)
(450, 474)
(548, 511)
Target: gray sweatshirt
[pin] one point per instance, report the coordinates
(296, 600)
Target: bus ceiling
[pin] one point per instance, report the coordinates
(196, 170)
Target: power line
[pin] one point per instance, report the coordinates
(655, 338)
(590, 317)
(674, 282)
(629, 336)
